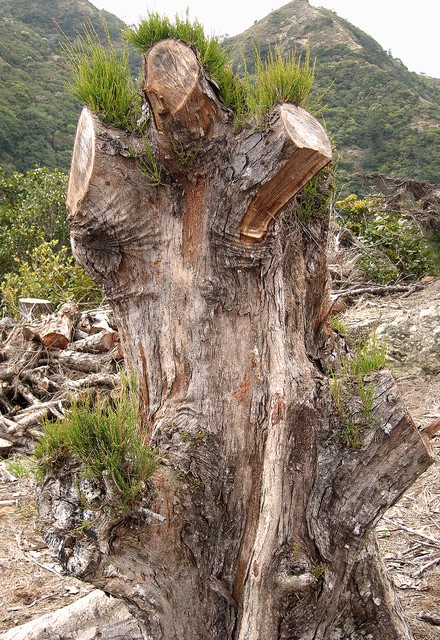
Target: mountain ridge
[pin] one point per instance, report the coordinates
(383, 118)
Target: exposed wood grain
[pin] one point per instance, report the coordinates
(227, 337)
(308, 151)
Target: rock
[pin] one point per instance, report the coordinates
(94, 616)
(410, 326)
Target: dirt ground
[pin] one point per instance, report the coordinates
(409, 535)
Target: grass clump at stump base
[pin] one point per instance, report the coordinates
(352, 390)
(106, 438)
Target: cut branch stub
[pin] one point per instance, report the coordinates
(181, 97)
(307, 150)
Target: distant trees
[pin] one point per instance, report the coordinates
(35, 257)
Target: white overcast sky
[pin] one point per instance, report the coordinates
(409, 29)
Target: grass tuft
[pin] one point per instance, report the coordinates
(104, 436)
(353, 393)
(101, 78)
(276, 79)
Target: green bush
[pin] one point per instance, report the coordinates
(32, 211)
(48, 272)
(406, 252)
(104, 436)
(353, 392)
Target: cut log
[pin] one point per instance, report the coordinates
(97, 615)
(183, 101)
(100, 322)
(56, 333)
(5, 446)
(30, 309)
(306, 149)
(87, 362)
(94, 380)
(97, 342)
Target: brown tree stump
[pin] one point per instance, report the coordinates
(260, 522)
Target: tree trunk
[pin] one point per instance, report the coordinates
(260, 520)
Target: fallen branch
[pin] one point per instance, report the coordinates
(402, 527)
(432, 428)
(377, 290)
(426, 566)
(429, 616)
(94, 380)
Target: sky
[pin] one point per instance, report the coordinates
(410, 30)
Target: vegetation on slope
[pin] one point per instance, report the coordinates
(383, 117)
(35, 258)
(37, 115)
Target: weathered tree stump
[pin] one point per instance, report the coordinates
(30, 309)
(264, 519)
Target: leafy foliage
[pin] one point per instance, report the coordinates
(32, 211)
(104, 436)
(393, 233)
(48, 272)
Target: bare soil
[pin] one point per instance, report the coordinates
(31, 581)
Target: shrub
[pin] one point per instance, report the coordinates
(394, 234)
(353, 393)
(32, 211)
(48, 272)
(104, 436)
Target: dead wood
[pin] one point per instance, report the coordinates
(31, 309)
(38, 381)
(381, 290)
(432, 428)
(97, 342)
(222, 305)
(57, 331)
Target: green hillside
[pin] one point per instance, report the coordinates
(382, 117)
(37, 115)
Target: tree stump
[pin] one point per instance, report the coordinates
(265, 520)
(30, 309)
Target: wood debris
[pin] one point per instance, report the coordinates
(46, 362)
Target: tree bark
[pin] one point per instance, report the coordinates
(259, 524)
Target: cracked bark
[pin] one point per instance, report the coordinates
(262, 521)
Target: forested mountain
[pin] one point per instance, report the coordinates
(37, 115)
(382, 117)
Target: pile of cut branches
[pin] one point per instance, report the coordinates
(48, 360)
